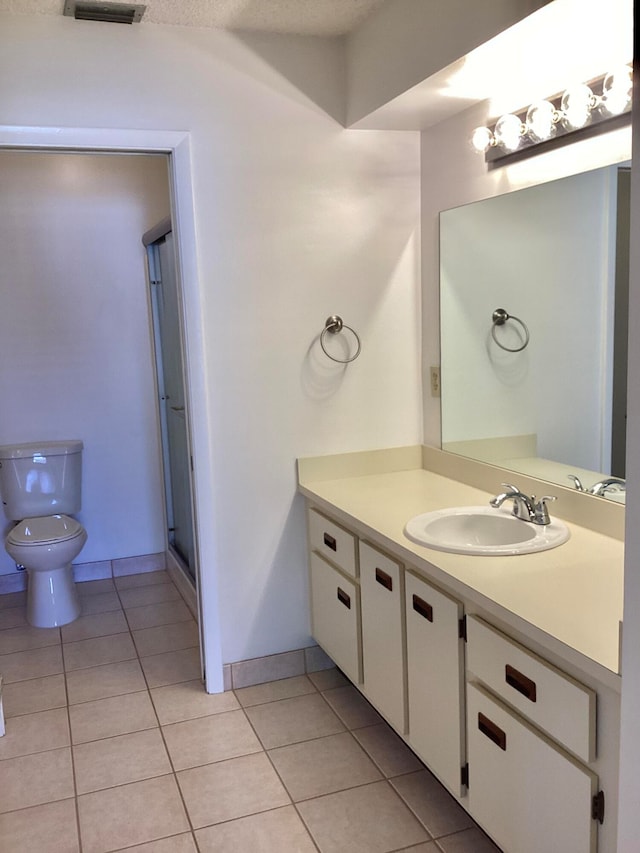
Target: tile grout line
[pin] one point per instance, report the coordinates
(275, 770)
(160, 728)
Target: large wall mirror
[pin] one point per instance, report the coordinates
(543, 394)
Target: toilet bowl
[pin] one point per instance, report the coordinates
(45, 546)
(41, 487)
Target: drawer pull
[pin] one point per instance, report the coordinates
(344, 598)
(330, 542)
(520, 683)
(492, 731)
(423, 608)
(384, 579)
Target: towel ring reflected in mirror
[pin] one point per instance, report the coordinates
(499, 318)
(333, 326)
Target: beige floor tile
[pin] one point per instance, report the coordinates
(209, 739)
(322, 766)
(131, 814)
(32, 830)
(369, 819)
(143, 595)
(327, 679)
(426, 847)
(13, 617)
(95, 625)
(142, 579)
(36, 663)
(95, 587)
(98, 650)
(172, 667)
(293, 720)
(389, 751)
(31, 733)
(284, 688)
(102, 602)
(13, 599)
(352, 708)
(433, 805)
(164, 613)
(34, 779)
(231, 789)
(316, 659)
(469, 841)
(188, 700)
(116, 715)
(99, 682)
(26, 637)
(274, 831)
(166, 638)
(39, 694)
(176, 844)
(119, 760)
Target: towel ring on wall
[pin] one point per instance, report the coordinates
(499, 318)
(333, 325)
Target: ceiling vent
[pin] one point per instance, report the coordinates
(114, 13)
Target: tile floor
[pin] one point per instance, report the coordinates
(112, 744)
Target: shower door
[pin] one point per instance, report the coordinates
(167, 328)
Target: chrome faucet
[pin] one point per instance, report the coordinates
(609, 484)
(524, 507)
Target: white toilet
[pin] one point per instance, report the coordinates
(40, 485)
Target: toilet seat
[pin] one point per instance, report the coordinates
(45, 530)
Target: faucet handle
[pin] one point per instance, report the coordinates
(541, 509)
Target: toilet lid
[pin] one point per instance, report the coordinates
(50, 528)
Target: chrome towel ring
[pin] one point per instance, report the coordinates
(333, 325)
(499, 318)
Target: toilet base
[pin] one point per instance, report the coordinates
(52, 598)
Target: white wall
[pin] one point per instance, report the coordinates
(296, 219)
(544, 255)
(74, 332)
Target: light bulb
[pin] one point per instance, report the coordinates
(616, 90)
(508, 132)
(481, 139)
(576, 105)
(541, 121)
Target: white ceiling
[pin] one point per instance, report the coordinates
(301, 17)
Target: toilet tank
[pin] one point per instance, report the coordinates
(41, 478)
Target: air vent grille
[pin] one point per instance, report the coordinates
(114, 13)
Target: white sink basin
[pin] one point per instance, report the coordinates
(483, 530)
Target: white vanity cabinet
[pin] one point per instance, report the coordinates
(435, 677)
(381, 591)
(524, 719)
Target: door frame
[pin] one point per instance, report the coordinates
(177, 145)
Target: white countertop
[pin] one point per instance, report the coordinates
(573, 594)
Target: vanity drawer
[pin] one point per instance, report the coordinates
(553, 701)
(335, 617)
(333, 542)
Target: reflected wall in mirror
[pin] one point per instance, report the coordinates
(556, 256)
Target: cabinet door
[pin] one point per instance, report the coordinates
(382, 641)
(524, 791)
(435, 680)
(335, 616)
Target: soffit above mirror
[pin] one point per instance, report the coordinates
(562, 42)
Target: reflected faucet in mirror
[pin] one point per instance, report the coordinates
(609, 484)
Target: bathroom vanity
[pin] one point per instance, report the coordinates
(500, 672)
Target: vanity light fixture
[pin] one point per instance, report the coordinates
(582, 110)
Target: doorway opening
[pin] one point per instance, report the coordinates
(175, 145)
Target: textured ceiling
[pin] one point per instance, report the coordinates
(301, 17)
